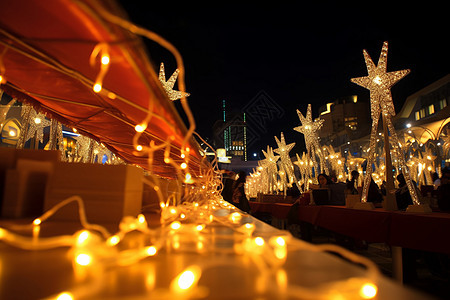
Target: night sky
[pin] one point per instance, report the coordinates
(292, 55)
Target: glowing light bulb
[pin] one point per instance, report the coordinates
(82, 237)
(141, 218)
(37, 120)
(12, 133)
(2, 79)
(186, 280)
(259, 241)
(37, 222)
(140, 127)
(188, 178)
(97, 87)
(167, 160)
(368, 291)
(280, 241)
(83, 259)
(175, 225)
(199, 227)
(151, 251)
(183, 165)
(64, 296)
(249, 225)
(105, 60)
(114, 240)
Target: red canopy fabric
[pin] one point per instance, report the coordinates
(45, 49)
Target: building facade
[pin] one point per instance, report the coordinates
(346, 123)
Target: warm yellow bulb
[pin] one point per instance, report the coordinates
(280, 241)
(200, 227)
(368, 291)
(183, 165)
(188, 178)
(140, 127)
(105, 59)
(37, 120)
(97, 87)
(151, 250)
(248, 225)
(259, 241)
(141, 218)
(186, 279)
(175, 225)
(114, 240)
(83, 259)
(235, 217)
(64, 296)
(82, 237)
(12, 133)
(139, 147)
(37, 222)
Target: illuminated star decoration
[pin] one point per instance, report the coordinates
(169, 84)
(37, 123)
(271, 163)
(336, 162)
(84, 148)
(310, 129)
(286, 162)
(379, 83)
(305, 171)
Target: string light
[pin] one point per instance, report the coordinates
(202, 203)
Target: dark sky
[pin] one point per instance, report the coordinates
(293, 55)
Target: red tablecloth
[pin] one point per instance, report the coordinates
(276, 210)
(427, 232)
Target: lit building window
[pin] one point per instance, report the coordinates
(442, 103)
(417, 115)
(422, 113)
(431, 109)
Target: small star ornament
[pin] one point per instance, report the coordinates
(310, 129)
(169, 84)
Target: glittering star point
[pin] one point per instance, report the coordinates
(169, 84)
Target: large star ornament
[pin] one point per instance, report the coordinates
(379, 83)
(169, 84)
(309, 127)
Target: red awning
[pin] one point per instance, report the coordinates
(45, 49)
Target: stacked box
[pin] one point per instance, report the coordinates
(109, 192)
(23, 176)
